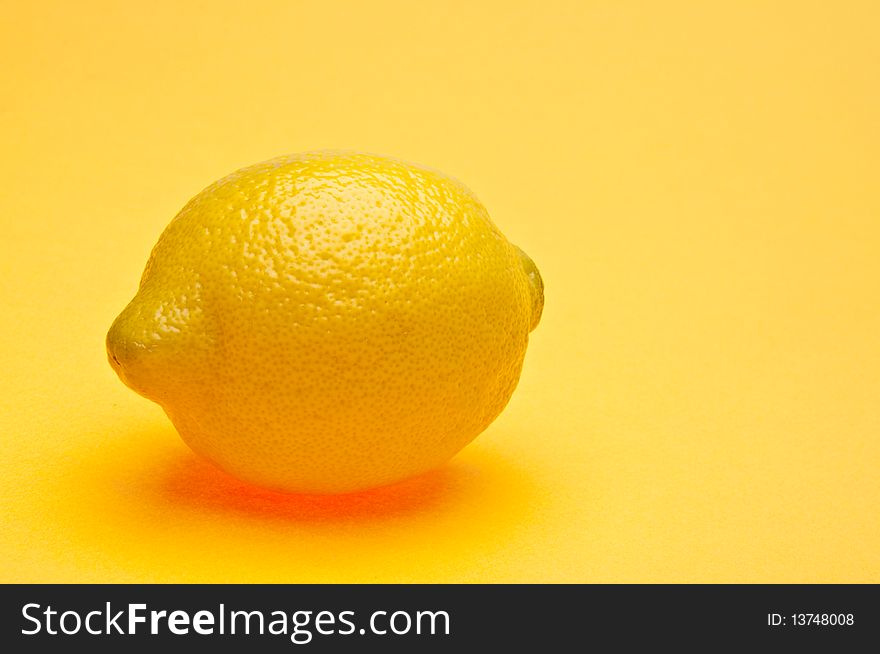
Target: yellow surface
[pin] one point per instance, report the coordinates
(329, 322)
(698, 184)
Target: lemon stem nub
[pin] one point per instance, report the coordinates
(536, 286)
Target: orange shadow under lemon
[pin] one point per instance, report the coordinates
(189, 480)
(149, 510)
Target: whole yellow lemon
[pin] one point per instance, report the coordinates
(328, 322)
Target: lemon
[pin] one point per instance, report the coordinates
(328, 322)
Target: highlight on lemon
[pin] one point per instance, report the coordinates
(330, 321)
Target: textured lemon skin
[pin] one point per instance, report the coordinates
(329, 322)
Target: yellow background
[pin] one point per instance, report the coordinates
(698, 183)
